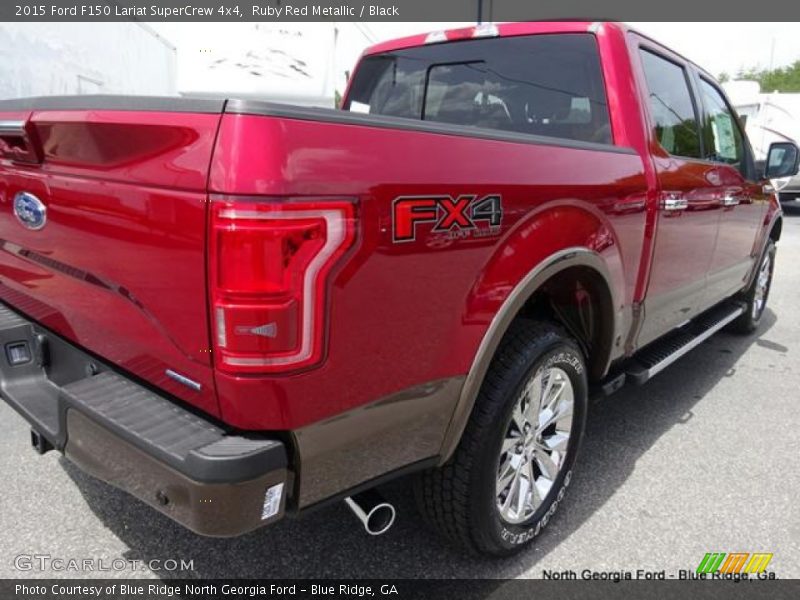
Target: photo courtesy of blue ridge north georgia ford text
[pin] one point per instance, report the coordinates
(376, 299)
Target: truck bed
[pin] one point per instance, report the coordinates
(120, 268)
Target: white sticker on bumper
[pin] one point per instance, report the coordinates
(272, 501)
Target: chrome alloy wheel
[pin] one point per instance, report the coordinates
(762, 286)
(535, 445)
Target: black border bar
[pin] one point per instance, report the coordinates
(395, 10)
(396, 589)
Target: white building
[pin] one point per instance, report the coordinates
(43, 59)
(294, 63)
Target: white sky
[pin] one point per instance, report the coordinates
(727, 47)
(717, 47)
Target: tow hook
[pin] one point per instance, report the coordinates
(40, 443)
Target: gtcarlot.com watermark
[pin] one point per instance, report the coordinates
(60, 564)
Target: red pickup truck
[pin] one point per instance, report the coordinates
(239, 310)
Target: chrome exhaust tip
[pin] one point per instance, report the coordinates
(373, 511)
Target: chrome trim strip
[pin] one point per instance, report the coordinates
(12, 127)
(209, 105)
(190, 383)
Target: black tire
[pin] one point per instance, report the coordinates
(748, 321)
(459, 499)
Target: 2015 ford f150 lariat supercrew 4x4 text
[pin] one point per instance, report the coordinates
(237, 310)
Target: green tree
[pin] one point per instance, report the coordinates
(782, 79)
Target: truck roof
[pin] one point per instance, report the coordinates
(509, 30)
(486, 30)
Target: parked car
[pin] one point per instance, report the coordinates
(237, 310)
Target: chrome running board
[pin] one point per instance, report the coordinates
(660, 354)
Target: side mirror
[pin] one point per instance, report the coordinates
(783, 160)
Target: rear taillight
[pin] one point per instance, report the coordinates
(270, 261)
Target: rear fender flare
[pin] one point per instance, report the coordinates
(773, 219)
(516, 299)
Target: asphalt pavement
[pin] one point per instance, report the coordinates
(703, 458)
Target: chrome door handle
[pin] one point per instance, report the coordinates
(732, 199)
(673, 202)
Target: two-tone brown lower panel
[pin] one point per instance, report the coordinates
(349, 449)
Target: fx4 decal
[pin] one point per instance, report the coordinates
(465, 216)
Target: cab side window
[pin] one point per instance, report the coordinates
(671, 106)
(550, 85)
(721, 133)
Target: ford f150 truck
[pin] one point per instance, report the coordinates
(237, 310)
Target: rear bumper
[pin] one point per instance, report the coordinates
(180, 463)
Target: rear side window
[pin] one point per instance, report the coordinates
(723, 139)
(548, 85)
(671, 106)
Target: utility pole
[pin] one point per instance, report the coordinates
(772, 54)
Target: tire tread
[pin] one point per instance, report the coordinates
(443, 495)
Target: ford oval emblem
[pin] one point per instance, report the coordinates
(30, 211)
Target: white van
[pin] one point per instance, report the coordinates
(768, 118)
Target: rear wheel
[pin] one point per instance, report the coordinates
(514, 462)
(755, 297)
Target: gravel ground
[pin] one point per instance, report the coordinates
(705, 457)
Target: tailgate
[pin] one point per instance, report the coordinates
(103, 230)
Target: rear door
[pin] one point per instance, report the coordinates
(103, 234)
(688, 209)
(740, 196)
